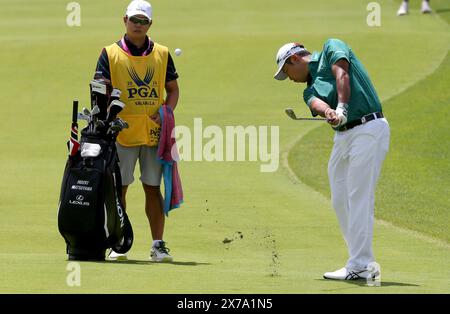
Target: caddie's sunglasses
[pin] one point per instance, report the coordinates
(137, 20)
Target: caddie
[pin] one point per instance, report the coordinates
(144, 72)
(338, 88)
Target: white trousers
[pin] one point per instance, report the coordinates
(353, 171)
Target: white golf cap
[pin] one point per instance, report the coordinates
(139, 7)
(283, 54)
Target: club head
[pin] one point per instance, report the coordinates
(100, 124)
(86, 111)
(95, 111)
(290, 112)
(123, 124)
(82, 116)
(118, 125)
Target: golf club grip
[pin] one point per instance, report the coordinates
(75, 111)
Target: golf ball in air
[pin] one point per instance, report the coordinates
(178, 51)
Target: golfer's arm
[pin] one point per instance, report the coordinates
(172, 94)
(319, 106)
(340, 72)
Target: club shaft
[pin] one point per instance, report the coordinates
(312, 119)
(293, 116)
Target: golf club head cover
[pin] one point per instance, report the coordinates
(101, 89)
(115, 95)
(114, 108)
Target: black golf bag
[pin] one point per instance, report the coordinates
(91, 216)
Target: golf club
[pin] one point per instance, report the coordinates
(94, 115)
(86, 111)
(95, 111)
(82, 116)
(290, 112)
(117, 125)
(99, 125)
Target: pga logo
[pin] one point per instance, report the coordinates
(155, 133)
(142, 92)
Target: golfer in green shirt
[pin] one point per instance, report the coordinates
(339, 89)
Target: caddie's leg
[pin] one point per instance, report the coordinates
(154, 210)
(151, 174)
(128, 157)
(337, 175)
(367, 152)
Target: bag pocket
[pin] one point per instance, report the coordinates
(79, 212)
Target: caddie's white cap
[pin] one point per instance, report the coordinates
(139, 7)
(283, 54)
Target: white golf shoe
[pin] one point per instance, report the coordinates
(426, 7)
(349, 274)
(113, 256)
(160, 253)
(404, 8)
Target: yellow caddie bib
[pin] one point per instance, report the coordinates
(141, 80)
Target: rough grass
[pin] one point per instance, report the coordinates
(413, 190)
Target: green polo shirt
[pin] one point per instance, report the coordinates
(363, 97)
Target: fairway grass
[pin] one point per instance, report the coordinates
(284, 233)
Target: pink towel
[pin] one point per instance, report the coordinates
(168, 156)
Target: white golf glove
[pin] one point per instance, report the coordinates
(341, 112)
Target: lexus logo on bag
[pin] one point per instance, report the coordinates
(79, 201)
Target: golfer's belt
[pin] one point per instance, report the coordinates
(351, 124)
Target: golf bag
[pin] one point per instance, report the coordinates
(91, 216)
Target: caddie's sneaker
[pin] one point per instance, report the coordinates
(160, 253)
(426, 7)
(403, 10)
(348, 274)
(113, 256)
